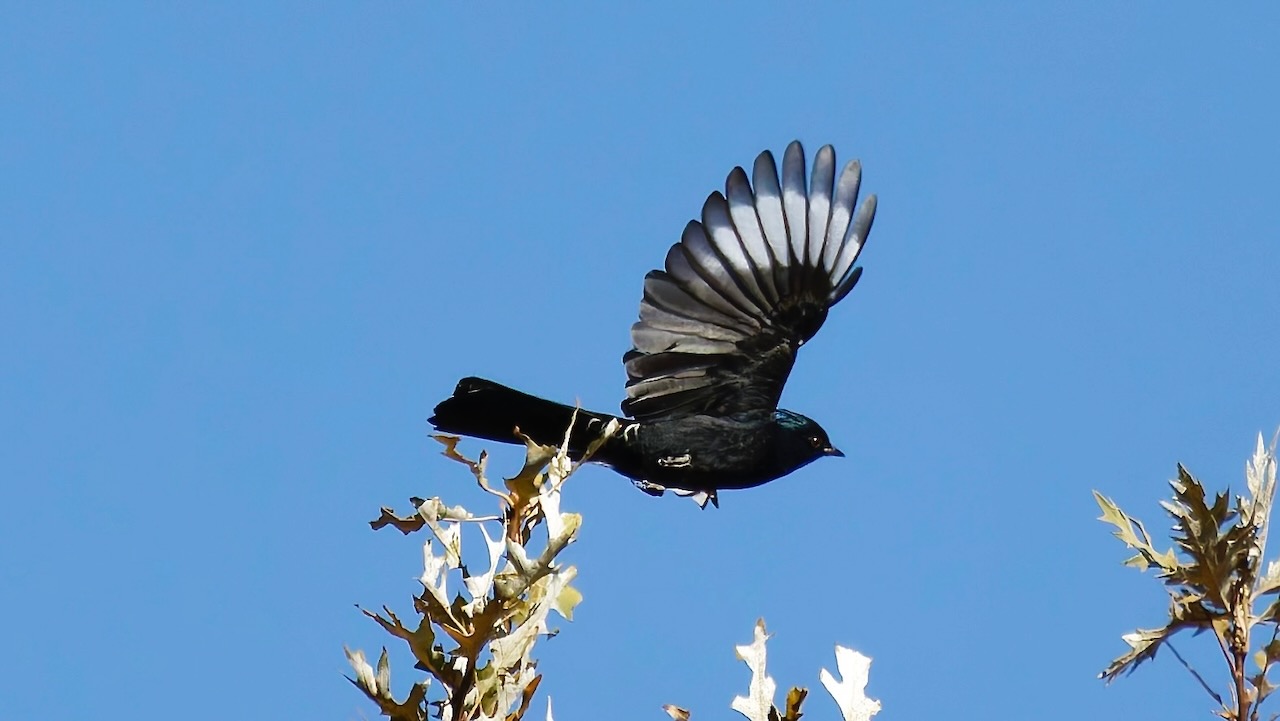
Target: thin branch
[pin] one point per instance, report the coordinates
(1264, 692)
(1195, 673)
(1222, 646)
(1242, 697)
(1240, 648)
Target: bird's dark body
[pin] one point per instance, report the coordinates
(719, 329)
(706, 453)
(693, 453)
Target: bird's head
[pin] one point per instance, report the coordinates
(801, 440)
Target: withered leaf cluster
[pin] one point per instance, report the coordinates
(473, 636)
(1215, 579)
(475, 630)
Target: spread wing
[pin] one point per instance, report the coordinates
(745, 288)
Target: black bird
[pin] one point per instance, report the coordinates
(718, 333)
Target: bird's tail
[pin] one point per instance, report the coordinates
(484, 409)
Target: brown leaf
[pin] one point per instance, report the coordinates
(1148, 556)
(1184, 613)
(421, 642)
(524, 486)
(477, 467)
(525, 697)
(795, 697)
(413, 708)
(404, 524)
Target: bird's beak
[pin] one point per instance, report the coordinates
(833, 451)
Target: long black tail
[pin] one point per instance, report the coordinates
(484, 409)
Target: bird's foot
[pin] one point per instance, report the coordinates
(702, 498)
(652, 489)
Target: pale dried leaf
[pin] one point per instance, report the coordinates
(512, 650)
(526, 696)
(568, 599)
(1260, 476)
(365, 677)
(377, 688)
(450, 535)
(1260, 470)
(1270, 581)
(497, 691)
(850, 691)
(432, 509)
(675, 712)
(384, 672)
(560, 466)
(570, 523)
(491, 674)
(758, 702)
(434, 578)
(519, 559)
(559, 469)
(550, 501)
(550, 584)
(479, 586)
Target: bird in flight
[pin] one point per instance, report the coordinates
(719, 329)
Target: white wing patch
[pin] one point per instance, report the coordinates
(631, 432)
(683, 461)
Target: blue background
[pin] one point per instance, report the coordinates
(245, 248)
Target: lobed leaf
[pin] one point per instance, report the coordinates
(795, 697)
(758, 703)
(376, 686)
(849, 691)
(1148, 556)
(504, 608)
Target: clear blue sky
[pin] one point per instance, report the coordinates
(244, 250)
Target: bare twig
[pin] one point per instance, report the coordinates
(1195, 673)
